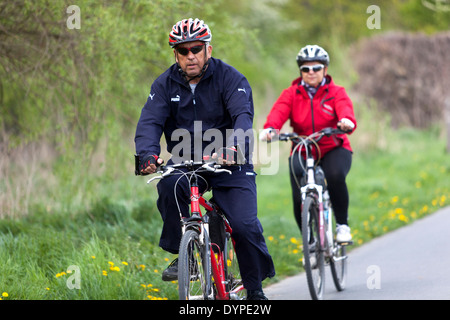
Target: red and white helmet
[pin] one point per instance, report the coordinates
(189, 30)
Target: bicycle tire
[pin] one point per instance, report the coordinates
(313, 255)
(338, 266)
(194, 268)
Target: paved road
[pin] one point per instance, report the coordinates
(410, 263)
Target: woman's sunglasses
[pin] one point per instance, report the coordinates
(185, 51)
(315, 68)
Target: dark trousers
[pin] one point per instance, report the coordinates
(336, 165)
(236, 195)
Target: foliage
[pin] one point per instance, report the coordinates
(115, 243)
(417, 99)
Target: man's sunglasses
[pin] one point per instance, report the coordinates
(315, 68)
(185, 51)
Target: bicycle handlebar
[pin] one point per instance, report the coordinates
(316, 136)
(197, 166)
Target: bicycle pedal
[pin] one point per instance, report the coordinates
(345, 243)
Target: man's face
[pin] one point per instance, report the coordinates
(192, 63)
(311, 77)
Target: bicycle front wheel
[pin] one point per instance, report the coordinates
(338, 265)
(313, 255)
(194, 268)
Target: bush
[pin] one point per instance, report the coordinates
(407, 74)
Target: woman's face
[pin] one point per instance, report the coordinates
(311, 77)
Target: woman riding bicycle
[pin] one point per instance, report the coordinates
(311, 103)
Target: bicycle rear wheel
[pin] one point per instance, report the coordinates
(235, 285)
(313, 256)
(338, 266)
(194, 268)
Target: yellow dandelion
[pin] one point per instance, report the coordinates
(111, 263)
(105, 273)
(282, 236)
(114, 268)
(394, 199)
(124, 263)
(270, 238)
(5, 295)
(294, 240)
(141, 266)
(93, 257)
(374, 195)
(155, 271)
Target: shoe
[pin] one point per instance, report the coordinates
(171, 272)
(343, 233)
(256, 295)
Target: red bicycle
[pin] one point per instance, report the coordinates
(207, 265)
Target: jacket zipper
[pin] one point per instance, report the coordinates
(195, 106)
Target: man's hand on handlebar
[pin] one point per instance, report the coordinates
(226, 156)
(150, 165)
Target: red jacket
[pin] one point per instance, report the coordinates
(329, 105)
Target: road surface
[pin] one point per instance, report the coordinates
(410, 263)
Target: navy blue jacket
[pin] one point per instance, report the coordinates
(222, 100)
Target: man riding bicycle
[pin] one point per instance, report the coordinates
(195, 95)
(313, 102)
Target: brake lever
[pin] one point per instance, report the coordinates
(164, 174)
(215, 168)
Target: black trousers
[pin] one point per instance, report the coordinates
(336, 165)
(236, 195)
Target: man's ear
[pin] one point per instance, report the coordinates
(209, 51)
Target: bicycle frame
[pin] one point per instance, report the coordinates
(218, 261)
(316, 191)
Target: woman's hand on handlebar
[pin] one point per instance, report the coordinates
(268, 135)
(346, 125)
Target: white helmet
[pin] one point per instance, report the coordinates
(312, 53)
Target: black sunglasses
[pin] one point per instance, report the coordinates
(315, 68)
(185, 51)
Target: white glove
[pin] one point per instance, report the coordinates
(267, 134)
